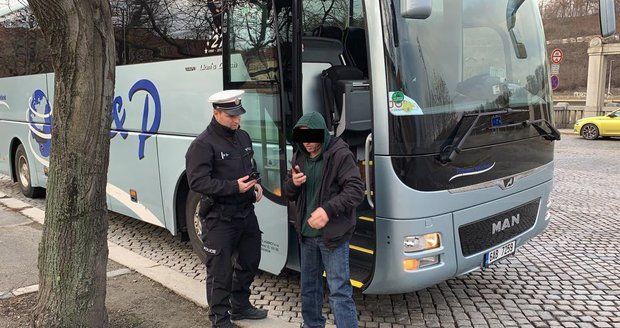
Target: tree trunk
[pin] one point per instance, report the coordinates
(73, 251)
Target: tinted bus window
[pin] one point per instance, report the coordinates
(158, 30)
(23, 49)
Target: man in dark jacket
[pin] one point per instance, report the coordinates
(219, 167)
(326, 187)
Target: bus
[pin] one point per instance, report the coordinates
(446, 104)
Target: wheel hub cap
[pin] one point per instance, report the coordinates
(24, 172)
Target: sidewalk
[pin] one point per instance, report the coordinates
(140, 293)
(567, 131)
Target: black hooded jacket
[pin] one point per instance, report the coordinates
(341, 191)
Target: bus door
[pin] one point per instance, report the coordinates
(251, 62)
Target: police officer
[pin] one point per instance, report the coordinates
(220, 167)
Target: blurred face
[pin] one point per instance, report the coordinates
(230, 121)
(311, 147)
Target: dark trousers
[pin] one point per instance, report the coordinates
(233, 249)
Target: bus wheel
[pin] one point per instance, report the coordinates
(192, 222)
(24, 176)
(589, 131)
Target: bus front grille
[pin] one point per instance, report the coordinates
(494, 230)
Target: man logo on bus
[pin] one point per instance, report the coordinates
(502, 225)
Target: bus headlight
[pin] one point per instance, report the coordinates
(421, 243)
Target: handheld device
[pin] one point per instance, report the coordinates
(254, 176)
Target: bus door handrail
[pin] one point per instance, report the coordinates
(367, 170)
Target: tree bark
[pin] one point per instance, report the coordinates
(73, 251)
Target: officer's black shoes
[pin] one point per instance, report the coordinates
(229, 325)
(250, 313)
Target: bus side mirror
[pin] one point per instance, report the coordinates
(416, 9)
(607, 15)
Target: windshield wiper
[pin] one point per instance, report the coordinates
(452, 146)
(553, 133)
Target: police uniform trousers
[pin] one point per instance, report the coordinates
(233, 248)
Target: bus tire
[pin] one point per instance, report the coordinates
(192, 222)
(24, 176)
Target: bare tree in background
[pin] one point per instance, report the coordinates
(73, 251)
(570, 8)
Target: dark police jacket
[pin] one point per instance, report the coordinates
(214, 161)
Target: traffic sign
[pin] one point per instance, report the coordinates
(555, 69)
(555, 82)
(557, 56)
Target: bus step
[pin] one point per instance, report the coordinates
(359, 273)
(362, 244)
(355, 283)
(366, 218)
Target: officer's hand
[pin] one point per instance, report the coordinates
(318, 219)
(259, 192)
(245, 186)
(299, 177)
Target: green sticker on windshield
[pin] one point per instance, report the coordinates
(398, 97)
(401, 105)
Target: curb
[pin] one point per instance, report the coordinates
(568, 131)
(179, 283)
(35, 288)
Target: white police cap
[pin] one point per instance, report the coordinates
(228, 101)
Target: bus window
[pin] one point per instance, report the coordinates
(24, 50)
(483, 53)
(262, 122)
(151, 31)
(252, 43)
(323, 18)
(250, 62)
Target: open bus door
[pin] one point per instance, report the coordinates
(258, 57)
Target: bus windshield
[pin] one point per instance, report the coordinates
(468, 56)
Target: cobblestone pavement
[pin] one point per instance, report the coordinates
(568, 276)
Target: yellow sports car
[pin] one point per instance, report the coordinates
(599, 126)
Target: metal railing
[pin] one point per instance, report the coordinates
(566, 117)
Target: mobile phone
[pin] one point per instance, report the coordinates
(253, 176)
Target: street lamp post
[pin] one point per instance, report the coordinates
(611, 66)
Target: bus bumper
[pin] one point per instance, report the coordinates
(390, 275)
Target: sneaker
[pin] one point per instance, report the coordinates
(251, 313)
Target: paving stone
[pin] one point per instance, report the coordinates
(551, 282)
(14, 204)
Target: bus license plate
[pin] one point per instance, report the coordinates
(499, 253)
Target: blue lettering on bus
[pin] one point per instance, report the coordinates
(150, 89)
(117, 109)
(119, 114)
(481, 167)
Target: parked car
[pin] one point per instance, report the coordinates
(599, 126)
